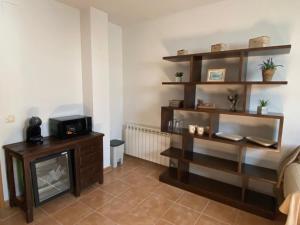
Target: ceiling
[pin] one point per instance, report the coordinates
(126, 12)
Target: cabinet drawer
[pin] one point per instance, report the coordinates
(89, 159)
(88, 181)
(89, 147)
(89, 175)
(90, 170)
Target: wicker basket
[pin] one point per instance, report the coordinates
(259, 42)
(219, 47)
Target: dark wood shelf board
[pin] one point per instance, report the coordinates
(254, 202)
(177, 83)
(228, 112)
(260, 173)
(214, 138)
(243, 142)
(229, 83)
(271, 50)
(202, 160)
(251, 171)
(244, 83)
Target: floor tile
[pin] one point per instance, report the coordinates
(90, 189)
(96, 219)
(205, 220)
(138, 180)
(156, 173)
(178, 214)
(121, 171)
(96, 199)
(244, 218)
(163, 222)
(8, 211)
(115, 209)
(41, 218)
(115, 188)
(195, 202)
(221, 212)
(137, 218)
(18, 219)
(72, 214)
(59, 203)
(109, 178)
(144, 170)
(169, 192)
(154, 206)
(134, 196)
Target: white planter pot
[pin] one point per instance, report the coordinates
(178, 79)
(262, 110)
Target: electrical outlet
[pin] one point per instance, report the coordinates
(10, 119)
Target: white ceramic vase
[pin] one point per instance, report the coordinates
(262, 110)
(178, 79)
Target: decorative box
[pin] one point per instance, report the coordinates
(182, 52)
(259, 42)
(176, 103)
(219, 47)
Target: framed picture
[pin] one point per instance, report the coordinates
(216, 75)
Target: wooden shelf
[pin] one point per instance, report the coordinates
(251, 171)
(239, 197)
(203, 160)
(229, 83)
(272, 50)
(228, 112)
(260, 173)
(243, 142)
(253, 202)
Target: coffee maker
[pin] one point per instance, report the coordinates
(33, 132)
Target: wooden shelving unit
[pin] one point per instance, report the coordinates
(240, 197)
(229, 83)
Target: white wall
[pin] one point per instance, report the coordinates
(115, 81)
(40, 65)
(94, 32)
(232, 22)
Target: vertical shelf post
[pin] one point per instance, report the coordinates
(280, 130)
(246, 97)
(195, 68)
(243, 66)
(166, 115)
(213, 124)
(245, 183)
(187, 145)
(241, 158)
(189, 95)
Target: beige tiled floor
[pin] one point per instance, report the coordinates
(132, 195)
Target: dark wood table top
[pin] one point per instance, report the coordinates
(24, 149)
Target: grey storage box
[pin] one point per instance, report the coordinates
(116, 152)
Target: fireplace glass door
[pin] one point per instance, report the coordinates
(51, 176)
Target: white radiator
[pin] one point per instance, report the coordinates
(146, 143)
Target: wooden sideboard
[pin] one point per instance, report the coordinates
(87, 165)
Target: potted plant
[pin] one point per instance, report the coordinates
(268, 69)
(263, 106)
(179, 76)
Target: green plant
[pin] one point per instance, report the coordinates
(263, 103)
(269, 64)
(179, 74)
